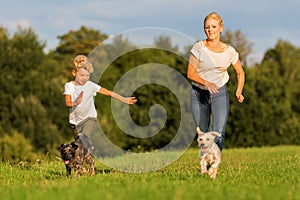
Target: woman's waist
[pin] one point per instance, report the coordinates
(199, 86)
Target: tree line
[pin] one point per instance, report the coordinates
(34, 118)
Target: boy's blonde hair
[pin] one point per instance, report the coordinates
(81, 61)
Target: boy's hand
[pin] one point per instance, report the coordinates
(131, 100)
(79, 98)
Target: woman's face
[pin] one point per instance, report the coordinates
(212, 29)
(81, 76)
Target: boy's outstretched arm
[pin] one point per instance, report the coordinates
(127, 100)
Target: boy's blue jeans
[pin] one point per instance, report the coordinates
(210, 111)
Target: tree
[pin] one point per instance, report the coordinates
(75, 42)
(24, 82)
(239, 41)
(23, 53)
(277, 85)
(164, 42)
(82, 41)
(270, 114)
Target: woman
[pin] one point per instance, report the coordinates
(207, 69)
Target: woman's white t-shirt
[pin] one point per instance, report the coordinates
(213, 66)
(86, 108)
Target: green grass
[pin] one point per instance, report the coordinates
(253, 173)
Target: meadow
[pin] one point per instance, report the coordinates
(246, 173)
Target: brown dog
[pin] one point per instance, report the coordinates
(76, 155)
(210, 155)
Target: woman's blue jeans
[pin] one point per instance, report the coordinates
(210, 111)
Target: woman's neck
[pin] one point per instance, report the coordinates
(215, 45)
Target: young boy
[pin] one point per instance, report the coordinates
(79, 97)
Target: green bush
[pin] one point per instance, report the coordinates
(16, 147)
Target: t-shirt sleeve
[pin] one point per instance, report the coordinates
(96, 88)
(234, 56)
(196, 50)
(67, 89)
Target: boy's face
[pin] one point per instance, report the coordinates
(81, 76)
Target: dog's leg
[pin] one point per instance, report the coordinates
(77, 169)
(92, 169)
(212, 172)
(90, 162)
(203, 164)
(214, 167)
(68, 169)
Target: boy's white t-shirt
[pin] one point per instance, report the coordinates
(213, 66)
(86, 108)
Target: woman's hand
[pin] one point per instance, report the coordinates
(213, 88)
(239, 97)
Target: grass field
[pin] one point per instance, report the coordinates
(253, 173)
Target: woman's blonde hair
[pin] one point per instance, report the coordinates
(214, 15)
(81, 61)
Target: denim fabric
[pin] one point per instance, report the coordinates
(210, 111)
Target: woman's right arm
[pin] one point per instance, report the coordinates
(192, 72)
(193, 75)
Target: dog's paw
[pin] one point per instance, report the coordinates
(92, 172)
(84, 170)
(212, 176)
(204, 172)
(212, 172)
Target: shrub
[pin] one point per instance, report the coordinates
(15, 147)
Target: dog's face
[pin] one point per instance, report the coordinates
(206, 140)
(67, 152)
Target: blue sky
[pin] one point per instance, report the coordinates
(262, 21)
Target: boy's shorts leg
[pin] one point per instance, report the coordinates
(75, 131)
(88, 127)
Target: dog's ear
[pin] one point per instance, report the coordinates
(60, 147)
(216, 134)
(199, 131)
(74, 145)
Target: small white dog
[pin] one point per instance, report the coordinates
(210, 154)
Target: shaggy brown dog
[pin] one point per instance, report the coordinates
(76, 155)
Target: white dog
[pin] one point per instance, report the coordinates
(210, 156)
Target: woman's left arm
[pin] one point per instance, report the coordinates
(241, 80)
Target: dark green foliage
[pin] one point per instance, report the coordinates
(25, 87)
(270, 114)
(16, 147)
(148, 95)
